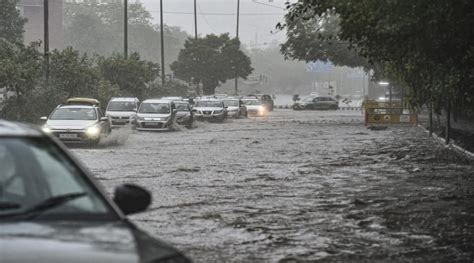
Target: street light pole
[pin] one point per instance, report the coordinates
(195, 20)
(46, 40)
(125, 29)
(237, 36)
(162, 45)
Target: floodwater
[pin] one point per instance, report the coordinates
(297, 186)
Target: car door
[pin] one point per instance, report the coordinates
(104, 125)
(318, 103)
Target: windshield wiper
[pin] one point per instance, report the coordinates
(44, 206)
(9, 205)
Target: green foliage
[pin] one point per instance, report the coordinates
(425, 45)
(11, 23)
(95, 28)
(129, 75)
(211, 60)
(20, 73)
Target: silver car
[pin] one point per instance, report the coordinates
(77, 124)
(121, 110)
(235, 108)
(156, 115)
(210, 109)
(254, 107)
(317, 103)
(184, 114)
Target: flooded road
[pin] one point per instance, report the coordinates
(298, 186)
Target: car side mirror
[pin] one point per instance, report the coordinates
(44, 118)
(104, 118)
(132, 198)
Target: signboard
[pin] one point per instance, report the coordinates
(319, 66)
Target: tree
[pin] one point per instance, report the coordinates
(73, 74)
(96, 28)
(211, 60)
(130, 75)
(11, 23)
(20, 74)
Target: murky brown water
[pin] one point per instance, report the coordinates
(298, 186)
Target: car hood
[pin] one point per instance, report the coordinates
(120, 113)
(253, 107)
(70, 124)
(153, 115)
(207, 108)
(78, 242)
(182, 113)
(232, 108)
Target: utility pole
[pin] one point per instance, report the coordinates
(125, 29)
(195, 21)
(46, 40)
(162, 45)
(237, 36)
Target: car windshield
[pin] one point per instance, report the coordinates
(160, 108)
(208, 103)
(34, 170)
(231, 103)
(251, 102)
(122, 106)
(74, 114)
(308, 98)
(182, 107)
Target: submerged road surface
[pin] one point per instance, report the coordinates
(298, 186)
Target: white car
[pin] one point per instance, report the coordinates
(156, 115)
(77, 124)
(235, 108)
(210, 109)
(254, 107)
(122, 110)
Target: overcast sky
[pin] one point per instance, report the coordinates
(257, 20)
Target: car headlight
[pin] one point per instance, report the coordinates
(46, 129)
(93, 131)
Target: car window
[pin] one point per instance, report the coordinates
(182, 107)
(34, 170)
(74, 114)
(159, 108)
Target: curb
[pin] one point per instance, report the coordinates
(451, 145)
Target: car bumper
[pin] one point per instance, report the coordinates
(211, 116)
(257, 113)
(153, 125)
(233, 114)
(79, 136)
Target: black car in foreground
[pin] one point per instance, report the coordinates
(52, 210)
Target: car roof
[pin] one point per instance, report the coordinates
(124, 99)
(80, 101)
(77, 106)
(250, 99)
(156, 101)
(8, 128)
(209, 99)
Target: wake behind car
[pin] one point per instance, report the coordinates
(77, 124)
(235, 108)
(254, 107)
(156, 115)
(53, 210)
(210, 109)
(122, 110)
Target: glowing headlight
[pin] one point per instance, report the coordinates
(46, 129)
(93, 131)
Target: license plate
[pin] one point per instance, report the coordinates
(68, 136)
(152, 123)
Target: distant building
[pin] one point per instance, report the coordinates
(33, 10)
